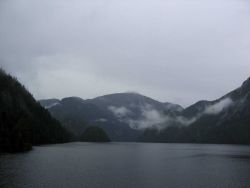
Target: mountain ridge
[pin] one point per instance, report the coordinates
(123, 113)
(224, 120)
(113, 111)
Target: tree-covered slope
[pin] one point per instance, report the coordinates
(114, 113)
(23, 122)
(225, 120)
(94, 134)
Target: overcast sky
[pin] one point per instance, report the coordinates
(178, 51)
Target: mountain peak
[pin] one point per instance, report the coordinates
(77, 99)
(245, 86)
(125, 94)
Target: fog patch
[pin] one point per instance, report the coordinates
(185, 121)
(218, 107)
(151, 118)
(155, 119)
(212, 109)
(119, 112)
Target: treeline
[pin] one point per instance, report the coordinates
(23, 122)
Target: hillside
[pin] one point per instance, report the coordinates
(225, 120)
(121, 115)
(129, 116)
(23, 122)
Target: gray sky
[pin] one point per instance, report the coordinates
(179, 51)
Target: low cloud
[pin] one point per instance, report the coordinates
(218, 107)
(212, 109)
(152, 118)
(149, 118)
(119, 112)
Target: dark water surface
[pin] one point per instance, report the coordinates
(128, 165)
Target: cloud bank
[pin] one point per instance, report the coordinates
(152, 118)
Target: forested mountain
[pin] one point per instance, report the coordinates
(23, 122)
(121, 115)
(225, 120)
(129, 116)
(94, 134)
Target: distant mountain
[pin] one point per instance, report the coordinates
(23, 122)
(225, 120)
(121, 115)
(129, 116)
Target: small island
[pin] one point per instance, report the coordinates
(94, 134)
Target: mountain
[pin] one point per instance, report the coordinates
(129, 116)
(173, 107)
(225, 120)
(121, 115)
(23, 121)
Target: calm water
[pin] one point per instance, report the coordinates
(128, 165)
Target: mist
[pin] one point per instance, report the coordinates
(152, 118)
(119, 112)
(218, 107)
